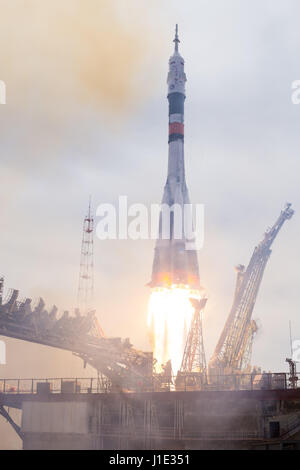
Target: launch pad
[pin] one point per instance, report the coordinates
(87, 417)
(130, 404)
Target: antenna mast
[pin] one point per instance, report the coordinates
(85, 294)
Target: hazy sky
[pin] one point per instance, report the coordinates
(86, 113)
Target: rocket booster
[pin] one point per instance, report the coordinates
(174, 264)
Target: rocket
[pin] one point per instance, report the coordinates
(174, 264)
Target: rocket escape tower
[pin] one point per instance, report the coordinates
(174, 264)
(86, 274)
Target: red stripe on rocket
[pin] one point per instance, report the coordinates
(176, 128)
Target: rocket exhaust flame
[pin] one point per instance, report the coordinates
(170, 313)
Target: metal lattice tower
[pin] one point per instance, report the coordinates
(85, 295)
(194, 359)
(233, 351)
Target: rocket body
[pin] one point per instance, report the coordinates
(175, 263)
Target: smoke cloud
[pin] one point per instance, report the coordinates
(73, 50)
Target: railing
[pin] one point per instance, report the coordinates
(156, 383)
(116, 430)
(63, 385)
(226, 435)
(229, 382)
(293, 426)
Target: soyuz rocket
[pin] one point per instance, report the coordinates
(173, 263)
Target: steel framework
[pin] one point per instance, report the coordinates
(85, 294)
(113, 357)
(233, 350)
(194, 360)
(123, 364)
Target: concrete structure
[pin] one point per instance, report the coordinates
(200, 419)
(56, 425)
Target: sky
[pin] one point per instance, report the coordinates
(86, 113)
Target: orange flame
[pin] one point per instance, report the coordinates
(169, 318)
